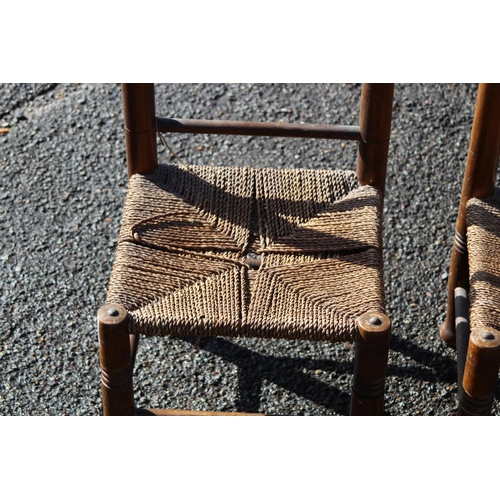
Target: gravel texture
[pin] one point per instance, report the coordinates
(63, 180)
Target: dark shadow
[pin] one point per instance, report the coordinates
(479, 215)
(439, 367)
(227, 206)
(286, 372)
(485, 277)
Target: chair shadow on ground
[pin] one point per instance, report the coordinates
(291, 373)
(286, 372)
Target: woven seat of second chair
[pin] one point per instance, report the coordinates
(188, 235)
(483, 246)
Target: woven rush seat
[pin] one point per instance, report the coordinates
(190, 237)
(483, 246)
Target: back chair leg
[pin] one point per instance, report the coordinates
(375, 128)
(370, 364)
(140, 127)
(458, 277)
(116, 360)
(462, 329)
(480, 373)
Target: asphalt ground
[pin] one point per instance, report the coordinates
(62, 185)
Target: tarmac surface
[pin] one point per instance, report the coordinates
(63, 181)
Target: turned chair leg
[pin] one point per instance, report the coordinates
(480, 373)
(370, 364)
(116, 360)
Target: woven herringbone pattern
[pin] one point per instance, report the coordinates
(181, 268)
(483, 245)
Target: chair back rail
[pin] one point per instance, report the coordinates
(270, 129)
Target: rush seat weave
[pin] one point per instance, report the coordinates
(181, 263)
(483, 246)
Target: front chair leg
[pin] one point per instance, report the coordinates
(480, 373)
(370, 364)
(116, 360)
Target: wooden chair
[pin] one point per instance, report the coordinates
(239, 251)
(474, 277)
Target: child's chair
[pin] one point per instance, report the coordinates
(239, 251)
(475, 264)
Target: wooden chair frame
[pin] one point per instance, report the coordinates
(118, 348)
(478, 354)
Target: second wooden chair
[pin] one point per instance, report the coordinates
(474, 277)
